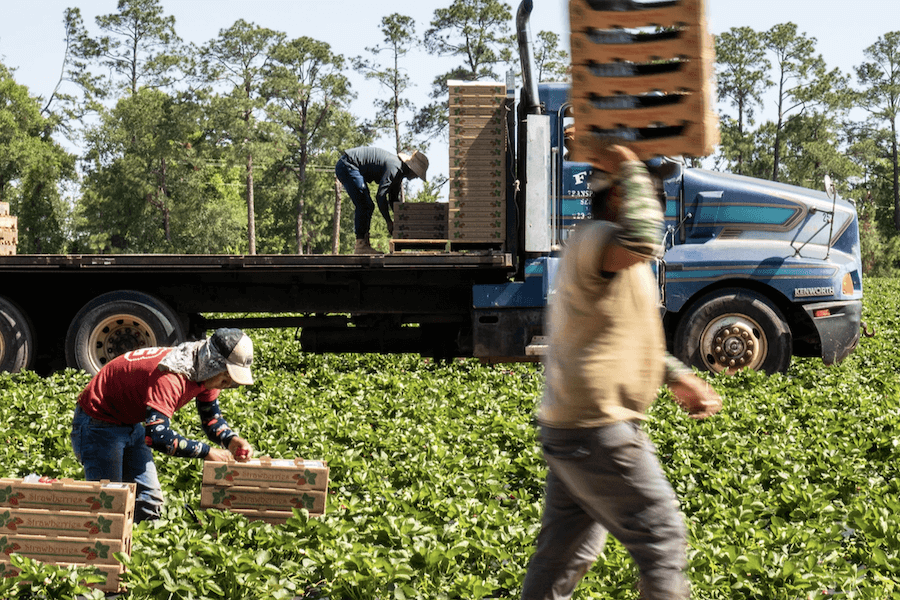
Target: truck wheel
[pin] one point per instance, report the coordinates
(16, 339)
(734, 329)
(118, 322)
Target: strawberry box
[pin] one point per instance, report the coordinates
(25, 521)
(295, 474)
(262, 498)
(68, 494)
(64, 549)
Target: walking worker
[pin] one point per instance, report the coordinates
(360, 166)
(606, 362)
(126, 409)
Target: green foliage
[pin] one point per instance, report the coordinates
(149, 187)
(32, 167)
(437, 479)
(140, 45)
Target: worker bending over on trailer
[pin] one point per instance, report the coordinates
(125, 410)
(361, 166)
(605, 363)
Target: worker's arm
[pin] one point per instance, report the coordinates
(695, 396)
(217, 430)
(640, 217)
(160, 436)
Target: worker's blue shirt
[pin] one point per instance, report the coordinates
(381, 167)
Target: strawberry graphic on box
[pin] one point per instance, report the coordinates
(101, 525)
(305, 501)
(8, 496)
(9, 521)
(8, 548)
(96, 551)
(223, 497)
(307, 477)
(102, 501)
(225, 473)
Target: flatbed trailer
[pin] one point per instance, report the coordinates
(82, 310)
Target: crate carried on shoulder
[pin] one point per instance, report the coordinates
(266, 489)
(67, 522)
(642, 76)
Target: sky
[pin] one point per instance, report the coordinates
(31, 32)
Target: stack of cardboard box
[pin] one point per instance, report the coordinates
(67, 522)
(478, 144)
(9, 231)
(643, 77)
(421, 221)
(265, 489)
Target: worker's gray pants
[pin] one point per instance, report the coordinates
(606, 480)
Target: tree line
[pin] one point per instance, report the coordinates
(229, 146)
(825, 123)
(225, 147)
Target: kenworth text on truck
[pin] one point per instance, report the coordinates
(754, 272)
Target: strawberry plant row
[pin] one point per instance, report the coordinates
(436, 480)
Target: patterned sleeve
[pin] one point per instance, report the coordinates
(214, 425)
(159, 435)
(640, 215)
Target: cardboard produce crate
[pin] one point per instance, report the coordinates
(477, 203)
(68, 494)
(271, 487)
(67, 522)
(421, 211)
(262, 498)
(643, 78)
(293, 474)
(26, 521)
(53, 549)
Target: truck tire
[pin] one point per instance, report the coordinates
(118, 322)
(733, 329)
(16, 338)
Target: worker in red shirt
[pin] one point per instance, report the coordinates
(125, 411)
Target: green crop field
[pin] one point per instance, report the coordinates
(791, 492)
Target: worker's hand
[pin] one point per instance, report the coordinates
(696, 396)
(609, 158)
(218, 455)
(240, 449)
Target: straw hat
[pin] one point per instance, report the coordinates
(417, 162)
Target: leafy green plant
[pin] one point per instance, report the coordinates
(436, 488)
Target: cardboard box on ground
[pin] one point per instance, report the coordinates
(67, 522)
(265, 488)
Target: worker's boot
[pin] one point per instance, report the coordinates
(363, 247)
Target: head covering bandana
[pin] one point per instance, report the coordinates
(198, 361)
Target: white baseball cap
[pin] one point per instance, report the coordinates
(237, 350)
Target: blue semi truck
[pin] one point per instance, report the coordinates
(754, 273)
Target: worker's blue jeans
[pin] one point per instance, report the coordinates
(118, 453)
(606, 480)
(356, 187)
